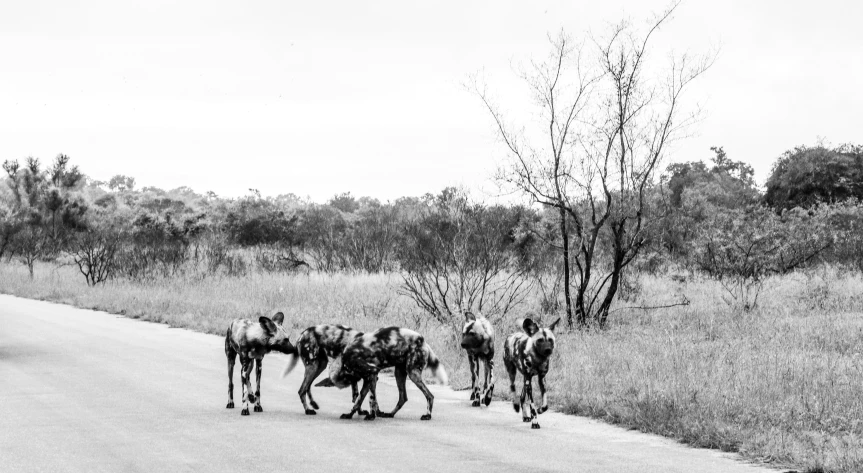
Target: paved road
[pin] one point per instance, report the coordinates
(86, 391)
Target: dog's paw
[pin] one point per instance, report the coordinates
(344, 416)
(475, 403)
(370, 417)
(363, 412)
(244, 412)
(534, 426)
(259, 409)
(386, 415)
(314, 405)
(487, 399)
(426, 417)
(230, 405)
(310, 412)
(526, 419)
(516, 407)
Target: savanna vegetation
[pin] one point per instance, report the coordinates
(697, 305)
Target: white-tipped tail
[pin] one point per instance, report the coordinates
(436, 367)
(292, 363)
(440, 373)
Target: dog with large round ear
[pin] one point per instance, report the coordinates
(276, 334)
(528, 352)
(529, 326)
(477, 339)
(250, 342)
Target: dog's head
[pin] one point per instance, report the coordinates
(340, 375)
(541, 339)
(276, 334)
(473, 333)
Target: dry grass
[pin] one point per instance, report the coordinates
(779, 384)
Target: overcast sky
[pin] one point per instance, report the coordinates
(322, 97)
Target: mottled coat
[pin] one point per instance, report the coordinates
(528, 353)
(250, 341)
(314, 347)
(477, 338)
(368, 353)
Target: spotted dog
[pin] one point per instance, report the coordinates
(528, 353)
(477, 338)
(368, 353)
(314, 347)
(252, 340)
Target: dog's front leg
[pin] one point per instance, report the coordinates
(533, 417)
(474, 373)
(488, 389)
(373, 398)
(363, 391)
(232, 358)
(246, 374)
(258, 369)
(354, 393)
(540, 379)
(525, 392)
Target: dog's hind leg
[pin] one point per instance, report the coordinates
(356, 407)
(258, 368)
(417, 377)
(246, 374)
(401, 375)
(488, 388)
(313, 369)
(232, 358)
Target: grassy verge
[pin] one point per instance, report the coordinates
(781, 384)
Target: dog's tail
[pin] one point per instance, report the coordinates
(292, 363)
(436, 366)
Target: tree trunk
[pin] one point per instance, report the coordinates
(565, 237)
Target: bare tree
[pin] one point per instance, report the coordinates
(606, 120)
(458, 257)
(94, 252)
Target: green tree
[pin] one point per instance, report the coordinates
(50, 203)
(804, 176)
(695, 192)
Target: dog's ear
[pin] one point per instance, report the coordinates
(554, 324)
(529, 326)
(469, 316)
(326, 383)
(279, 318)
(268, 325)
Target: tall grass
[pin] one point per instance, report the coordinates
(780, 384)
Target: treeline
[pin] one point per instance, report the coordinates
(453, 253)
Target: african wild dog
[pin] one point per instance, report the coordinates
(368, 353)
(251, 341)
(528, 352)
(477, 338)
(314, 347)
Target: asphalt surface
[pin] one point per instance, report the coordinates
(86, 391)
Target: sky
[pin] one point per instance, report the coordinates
(319, 98)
